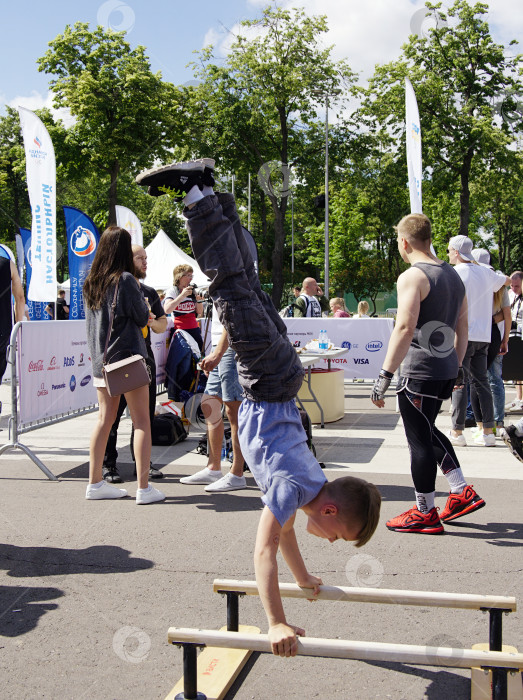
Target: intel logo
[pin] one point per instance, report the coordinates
(85, 380)
(346, 344)
(72, 383)
(374, 346)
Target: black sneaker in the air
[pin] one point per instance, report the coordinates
(513, 442)
(174, 180)
(208, 171)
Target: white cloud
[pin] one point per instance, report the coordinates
(212, 37)
(370, 33)
(36, 101)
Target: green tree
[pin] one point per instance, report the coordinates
(499, 190)
(122, 111)
(14, 203)
(459, 75)
(258, 106)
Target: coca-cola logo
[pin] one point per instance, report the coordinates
(36, 366)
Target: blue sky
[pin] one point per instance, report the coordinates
(170, 30)
(364, 33)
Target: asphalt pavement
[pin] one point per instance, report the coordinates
(89, 588)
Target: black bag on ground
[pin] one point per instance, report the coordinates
(307, 426)
(167, 429)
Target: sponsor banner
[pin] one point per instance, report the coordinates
(54, 373)
(413, 136)
(82, 241)
(37, 310)
(41, 184)
(365, 338)
(127, 219)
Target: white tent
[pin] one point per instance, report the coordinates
(162, 257)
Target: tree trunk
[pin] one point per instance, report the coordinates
(113, 192)
(464, 195)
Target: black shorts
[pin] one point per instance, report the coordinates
(440, 389)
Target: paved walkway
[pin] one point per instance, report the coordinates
(90, 588)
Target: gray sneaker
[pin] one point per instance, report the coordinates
(205, 476)
(229, 482)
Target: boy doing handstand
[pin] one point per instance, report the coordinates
(271, 435)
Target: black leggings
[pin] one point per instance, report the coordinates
(419, 404)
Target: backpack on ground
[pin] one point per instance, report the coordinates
(167, 429)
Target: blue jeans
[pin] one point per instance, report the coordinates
(498, 388)
(268, 366)
(223, 380)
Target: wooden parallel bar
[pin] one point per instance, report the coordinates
(345, 649)
(378, 595)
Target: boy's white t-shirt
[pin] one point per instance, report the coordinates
(480, 284)
(216, 327)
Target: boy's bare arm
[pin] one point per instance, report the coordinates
(292, 555)
(281, 635)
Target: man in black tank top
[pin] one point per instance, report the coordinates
(430, 338)
(9, 282)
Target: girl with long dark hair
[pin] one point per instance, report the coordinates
(113, 267)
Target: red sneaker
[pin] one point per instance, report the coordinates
(459, 504)
(414, 520)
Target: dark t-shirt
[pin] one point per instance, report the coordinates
(6, 316)
(152, 297)
(61, 314)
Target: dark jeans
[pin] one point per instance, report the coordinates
(475, 369)
(111, 453)
(492, 353)
(268, 366)
(419, 403)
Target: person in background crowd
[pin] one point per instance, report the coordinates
(363, 310)
(158, 323)
(296, 291)
(311, 302)
(10, 283)
(113, 270)
(223, 387)
(182, 302)
(338, 308)
(480, 284)
(497, 348)
(62, 310)
(516, 309)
